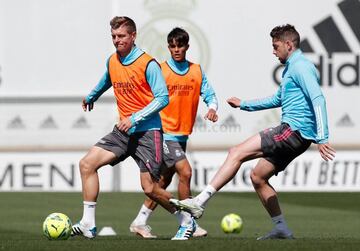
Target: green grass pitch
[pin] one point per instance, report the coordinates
(320, 221)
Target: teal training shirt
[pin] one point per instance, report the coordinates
(300, 98)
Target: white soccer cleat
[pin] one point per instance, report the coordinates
(277, 234)
(142, 230)
(185, 232)
(189, 206)
(199, 232)
(78, 229)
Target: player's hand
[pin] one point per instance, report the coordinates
(326, 151)
(211, 115)
(234, 102)
(124, 125)
(87, 106)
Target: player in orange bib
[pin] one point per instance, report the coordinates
(140, 92)
(186, 82)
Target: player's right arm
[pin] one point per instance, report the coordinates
(103, 85)
(257, 104)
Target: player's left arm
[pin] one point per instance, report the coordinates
(158, 87)
(306, 75)
(209, 97)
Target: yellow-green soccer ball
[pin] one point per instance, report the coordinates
(231, 223)
(57, 226)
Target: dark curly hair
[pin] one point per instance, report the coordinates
(286, 32)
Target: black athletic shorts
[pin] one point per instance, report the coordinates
(281, 145)
(144, 147)
(174, 151)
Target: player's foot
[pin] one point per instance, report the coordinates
(189, 206)
(199, 232)
(79, 229)
(277, 234)
(142, 230)
(185, 232)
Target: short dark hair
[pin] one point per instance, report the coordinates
(179, 35)
(286, 32)
(117, 22)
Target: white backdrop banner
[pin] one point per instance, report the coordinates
(47, 68)
(58, 171)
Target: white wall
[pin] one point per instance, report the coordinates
(59, 49)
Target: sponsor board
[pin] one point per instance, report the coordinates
(46, 171)
(308, 172)
(58, 171)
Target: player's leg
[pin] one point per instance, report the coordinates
(184, 171)
(175, 156)
(260, 176)
(165, 180)
(153, 190)
(280, 146)
(249, 149)
(109, 150)
(139, 225)
(148, 155)
(89, 164)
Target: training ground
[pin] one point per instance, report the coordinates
(320, 221)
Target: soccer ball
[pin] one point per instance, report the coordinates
(57, 226)
(231, 223)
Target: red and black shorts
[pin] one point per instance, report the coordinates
(281, 145)
(144, 147)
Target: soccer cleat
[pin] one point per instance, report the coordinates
(277, 234)
(142, 230)
(189, 206)
(185, 232)
(199, 232)
(78, 229)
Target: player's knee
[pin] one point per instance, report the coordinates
(148, 190)
(256, 180)
(85, 166)
(185, 175)
(235, 153)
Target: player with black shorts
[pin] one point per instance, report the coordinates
(141, 93)
(304, 120)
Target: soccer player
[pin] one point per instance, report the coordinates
(186, 82)
(140, 92)
(304, 121)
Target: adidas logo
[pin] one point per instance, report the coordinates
(81, 123)
(333, 40)
(345, 121)
(165, 148)
(230, 122)
(16, 123)
(48, 123)
(228, 125)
